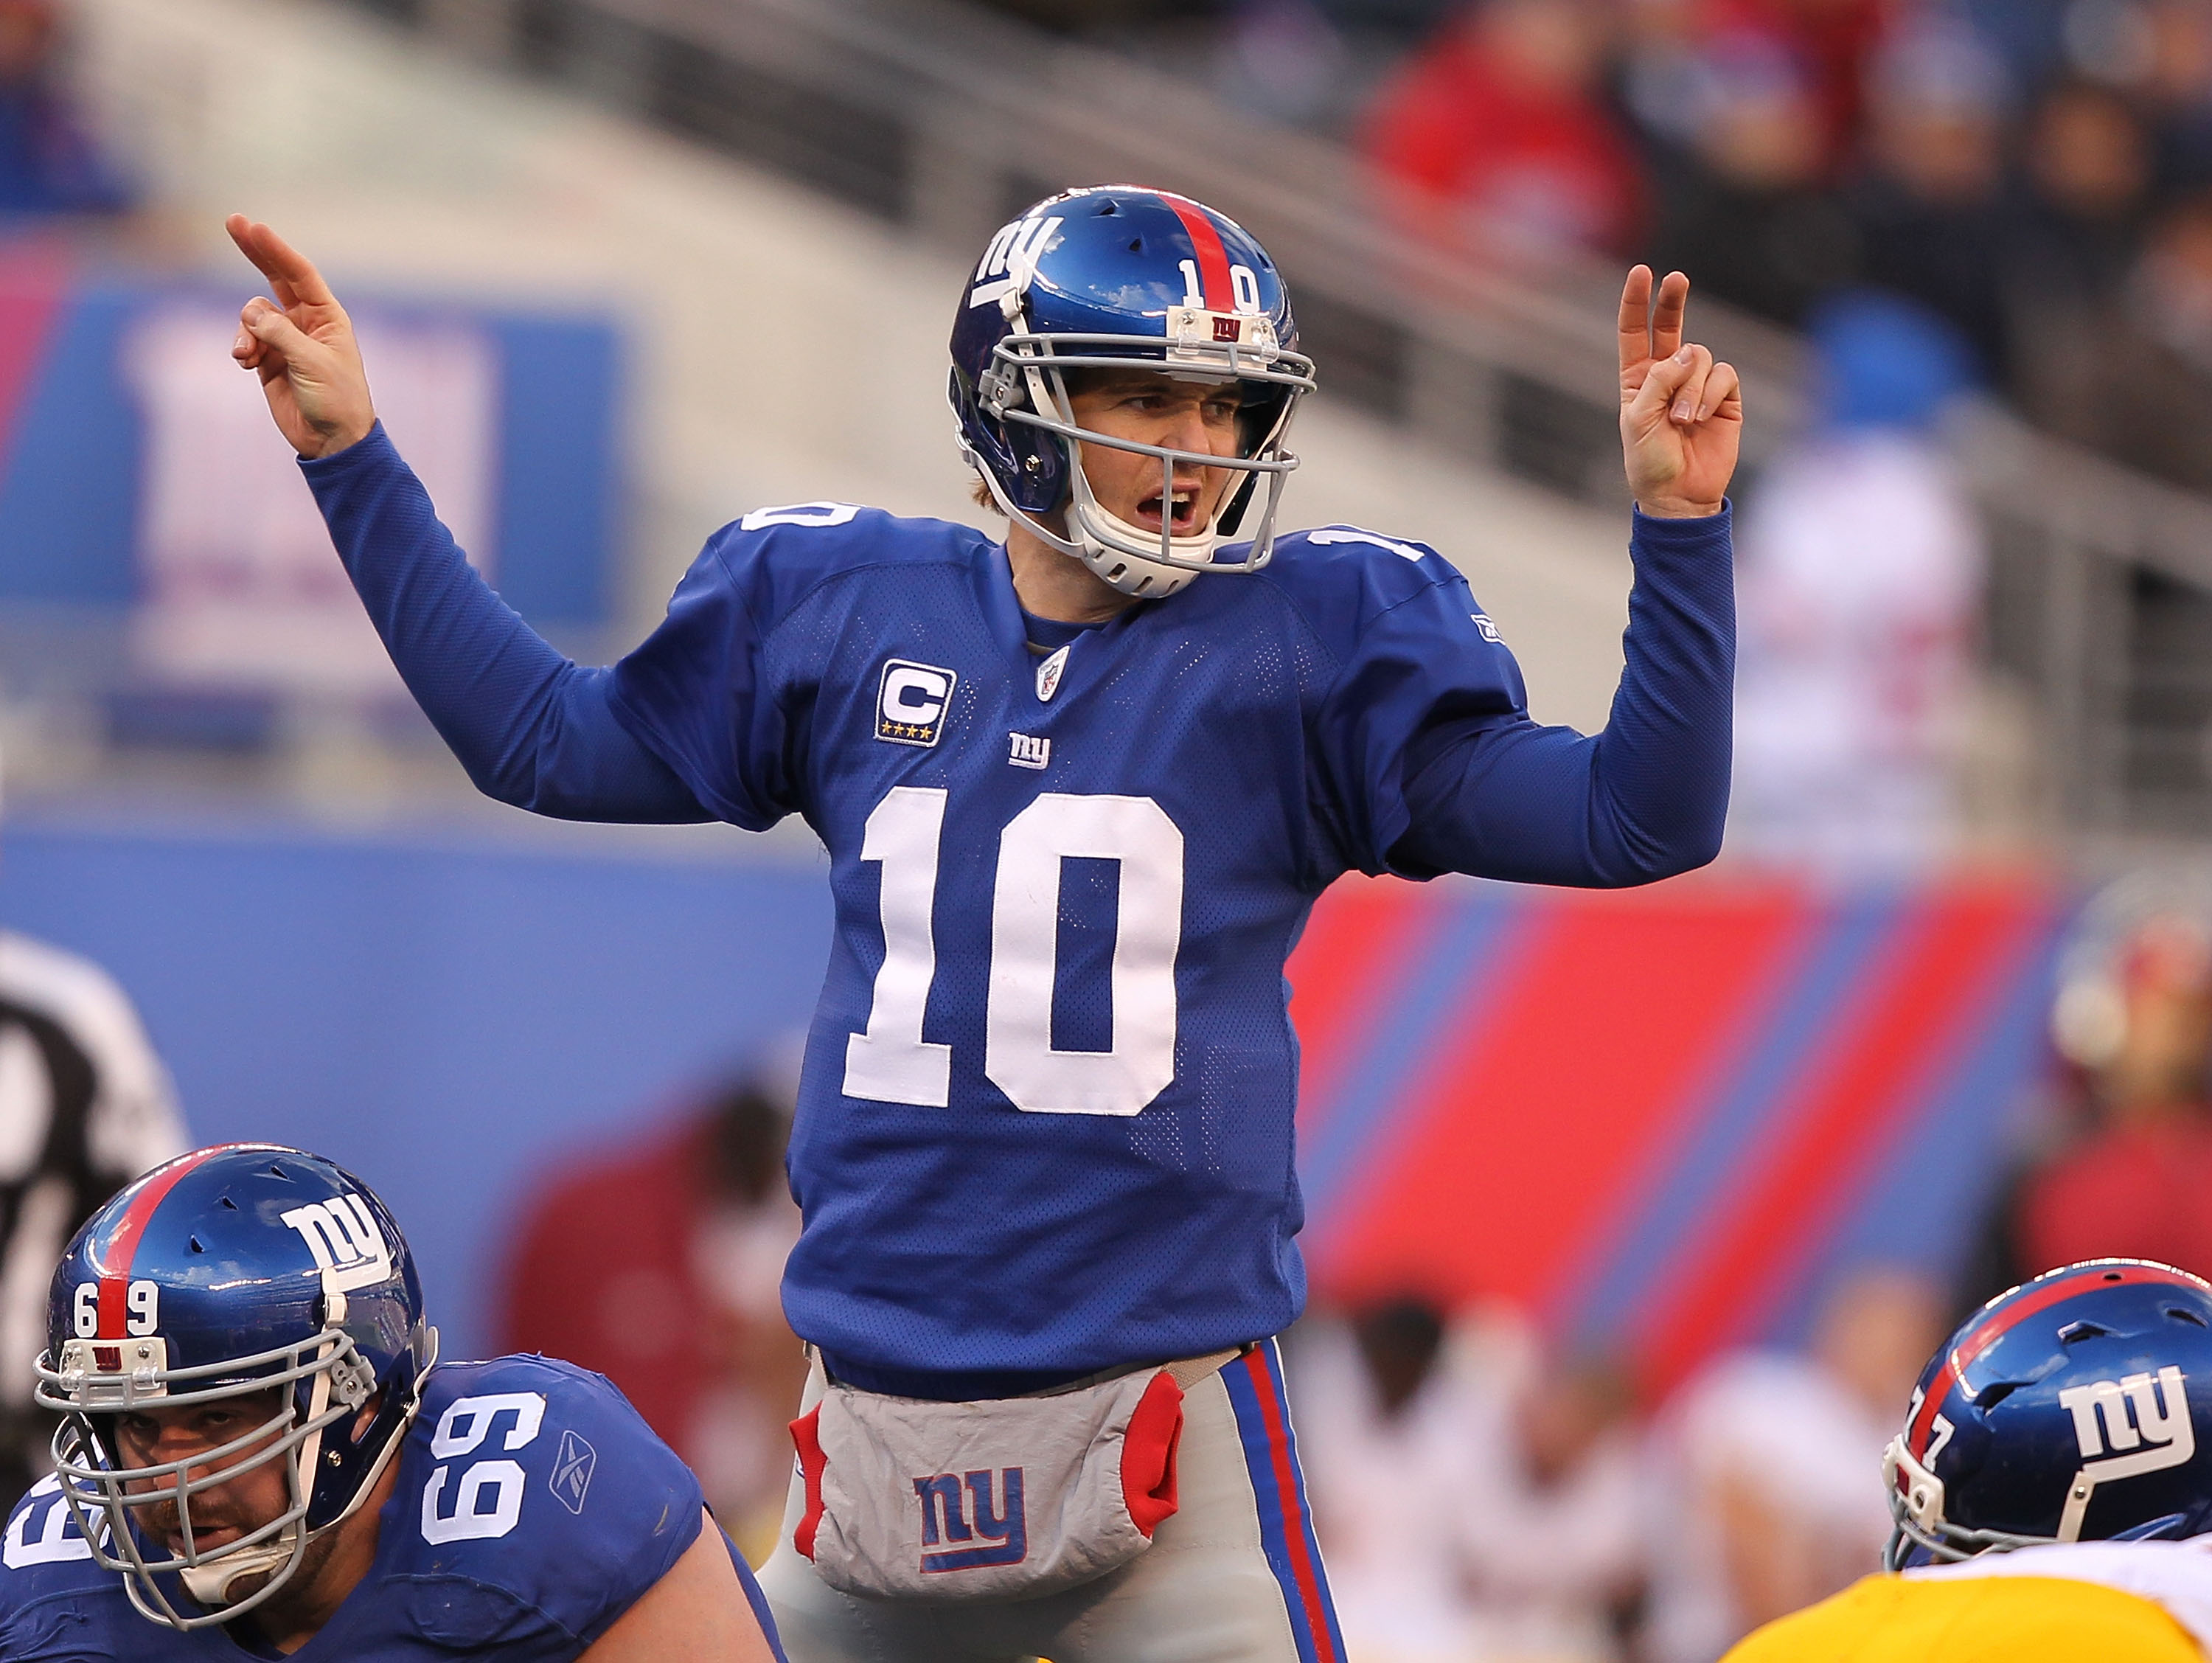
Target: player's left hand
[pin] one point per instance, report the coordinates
(1681, 414)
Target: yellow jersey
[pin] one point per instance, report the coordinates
(2091, 1602)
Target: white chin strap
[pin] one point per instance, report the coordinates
(1104, 541)
(211, 1585)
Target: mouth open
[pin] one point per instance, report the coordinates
(1182, 509)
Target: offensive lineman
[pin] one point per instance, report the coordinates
(247, 1319)
(1078, 804)
(2052, 1488)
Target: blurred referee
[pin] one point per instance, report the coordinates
(85, 1107)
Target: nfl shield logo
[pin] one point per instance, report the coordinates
(1049, 674)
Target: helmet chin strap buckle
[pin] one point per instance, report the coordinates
(211, 1585)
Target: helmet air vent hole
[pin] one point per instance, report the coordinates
(1136, 245)
(2074, 1332)
(2183, 1313)
(196, 1245)
(2112, 1276)
(1116, 574)
(275, 1171)
(1991, 1396)
(228, 1203)
(1109, 207)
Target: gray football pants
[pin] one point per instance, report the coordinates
(1232, 1577)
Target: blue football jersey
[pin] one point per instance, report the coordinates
(1045, 1122)
(532, 1509)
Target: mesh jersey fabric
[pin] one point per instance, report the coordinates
(1348, 708)
(551, 1510)
(2042, 1619)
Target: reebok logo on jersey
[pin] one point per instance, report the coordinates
(911, 701)
(1028, 750)
(572, 1471)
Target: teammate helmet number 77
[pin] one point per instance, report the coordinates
(2071, 1409)
(1119, 276)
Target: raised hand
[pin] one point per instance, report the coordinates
(1681, 414)
(305, 353)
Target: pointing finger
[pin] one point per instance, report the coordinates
(292, 274)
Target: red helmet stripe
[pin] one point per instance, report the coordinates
(1212, 259)
(2005, 1319)
(114, 1260)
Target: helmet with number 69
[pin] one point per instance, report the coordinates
(2064, 1410)
(1117, 278)
(248, 1276)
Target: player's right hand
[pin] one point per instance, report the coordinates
(305, 353)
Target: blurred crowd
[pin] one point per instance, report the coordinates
(1484, 1497)
(2036, 173)
(659, 1264)
(51, 163)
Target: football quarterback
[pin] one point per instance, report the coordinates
(259, 1449)
(2051, 1495)
(1080, 784)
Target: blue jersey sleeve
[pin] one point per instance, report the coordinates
(56, 1605)
(531, 728)
(724, 691)
(1415, 651)
(699, 693)
(543, 1508)
(1503, 797)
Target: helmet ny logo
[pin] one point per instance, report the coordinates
(993, 1523)
(2137, 1424)
(1011, 261)
(342, 1236)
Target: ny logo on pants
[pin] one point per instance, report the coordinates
(994, 1524)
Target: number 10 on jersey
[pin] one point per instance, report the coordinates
(891, 1062)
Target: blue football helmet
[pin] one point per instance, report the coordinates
(2064, 1411)
(1105, 277)
(230, 1272)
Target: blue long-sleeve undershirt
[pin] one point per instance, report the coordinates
(1643, 800)
(532, 728)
